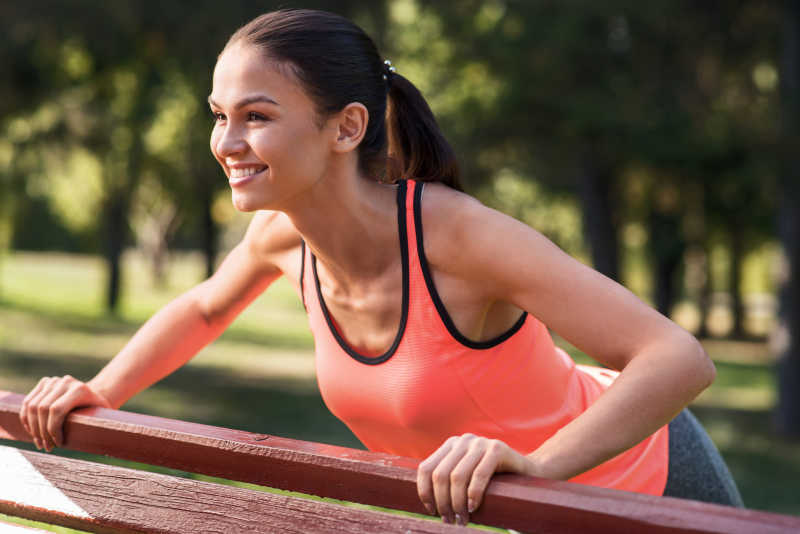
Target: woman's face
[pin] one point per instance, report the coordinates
(265, 134)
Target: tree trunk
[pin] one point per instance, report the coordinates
(667, 248)
(735, 279)
(115, 218)
(664, 284)
(700, 238)
(210, 229)
(121, 189)
(787, 336)
(600, 226)
(705, 293)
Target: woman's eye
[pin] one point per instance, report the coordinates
(218, 117)
(253, 116)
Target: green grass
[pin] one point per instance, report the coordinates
(70, 289)
(259, 376)
(38, 525)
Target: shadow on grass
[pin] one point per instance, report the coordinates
(766, 466)
(284, 407)
(114, 324)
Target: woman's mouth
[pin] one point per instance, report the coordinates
(241, 176)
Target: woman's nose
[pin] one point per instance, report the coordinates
(230, 142)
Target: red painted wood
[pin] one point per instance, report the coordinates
(118, 500)
(521, 503)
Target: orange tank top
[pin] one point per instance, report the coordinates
(433, 383)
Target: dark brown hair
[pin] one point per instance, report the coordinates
(337, 63)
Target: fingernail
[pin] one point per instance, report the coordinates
(471, 506)
(446, 519)
(460, 520)
(36, 443)
(430, 509)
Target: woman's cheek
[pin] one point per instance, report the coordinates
(213, 142)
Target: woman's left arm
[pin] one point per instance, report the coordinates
(663, 367)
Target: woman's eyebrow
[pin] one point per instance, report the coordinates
(246, 101)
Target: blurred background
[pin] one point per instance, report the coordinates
(656, 141)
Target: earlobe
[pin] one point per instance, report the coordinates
(352, 125)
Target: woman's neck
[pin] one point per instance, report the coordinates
(350, 224)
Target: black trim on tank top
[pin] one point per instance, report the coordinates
(402, 228)
(437, 301)
(303, 272)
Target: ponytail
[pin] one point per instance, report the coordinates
(417, 147)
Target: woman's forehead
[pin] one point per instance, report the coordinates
(243, 71)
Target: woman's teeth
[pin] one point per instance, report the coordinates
(242, 173)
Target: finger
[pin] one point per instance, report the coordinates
(73, 395)
(23, 413)
(483, 473)
(55, 390)
(33, 412)
(425, 473)
(441, 478)
(461, 476)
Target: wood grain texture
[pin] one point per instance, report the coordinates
(118, 500)
(520, 503)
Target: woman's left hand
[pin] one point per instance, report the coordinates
(451, 481)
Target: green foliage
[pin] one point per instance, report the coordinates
(105, 101)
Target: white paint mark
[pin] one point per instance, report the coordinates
(8, 528)
(22, 483)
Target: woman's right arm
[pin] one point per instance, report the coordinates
(171, 337)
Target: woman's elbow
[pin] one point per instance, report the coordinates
(703, 369)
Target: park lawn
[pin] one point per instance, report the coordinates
(259, 376)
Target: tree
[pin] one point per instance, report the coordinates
(788, 331)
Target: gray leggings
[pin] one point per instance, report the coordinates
(696, 469)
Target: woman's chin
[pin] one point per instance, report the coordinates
(244, 204)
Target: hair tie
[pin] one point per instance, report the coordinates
(388, 71)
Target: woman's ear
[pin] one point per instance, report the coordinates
(351, 125)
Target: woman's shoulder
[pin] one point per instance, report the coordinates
(446, 211)
(270, 236)
(452, 221)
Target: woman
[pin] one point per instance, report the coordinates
(427, 308)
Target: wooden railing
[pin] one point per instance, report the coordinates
(101, 498)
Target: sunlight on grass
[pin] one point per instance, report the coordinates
(38, 525)
(72, 286)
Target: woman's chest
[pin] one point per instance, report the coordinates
(416, 388)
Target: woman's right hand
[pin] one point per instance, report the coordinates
(47, 405)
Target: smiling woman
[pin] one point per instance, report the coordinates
(430, 311)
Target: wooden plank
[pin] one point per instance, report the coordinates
(102, 498)
(512, 501)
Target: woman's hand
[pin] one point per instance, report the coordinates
(451, 481)
(47, 405)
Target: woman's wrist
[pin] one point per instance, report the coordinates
(538, 464)
(533, 465)
(104, 394)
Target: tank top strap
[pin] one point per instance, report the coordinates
(412, 188)
(418, 293)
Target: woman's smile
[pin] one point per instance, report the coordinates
(241, 175)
